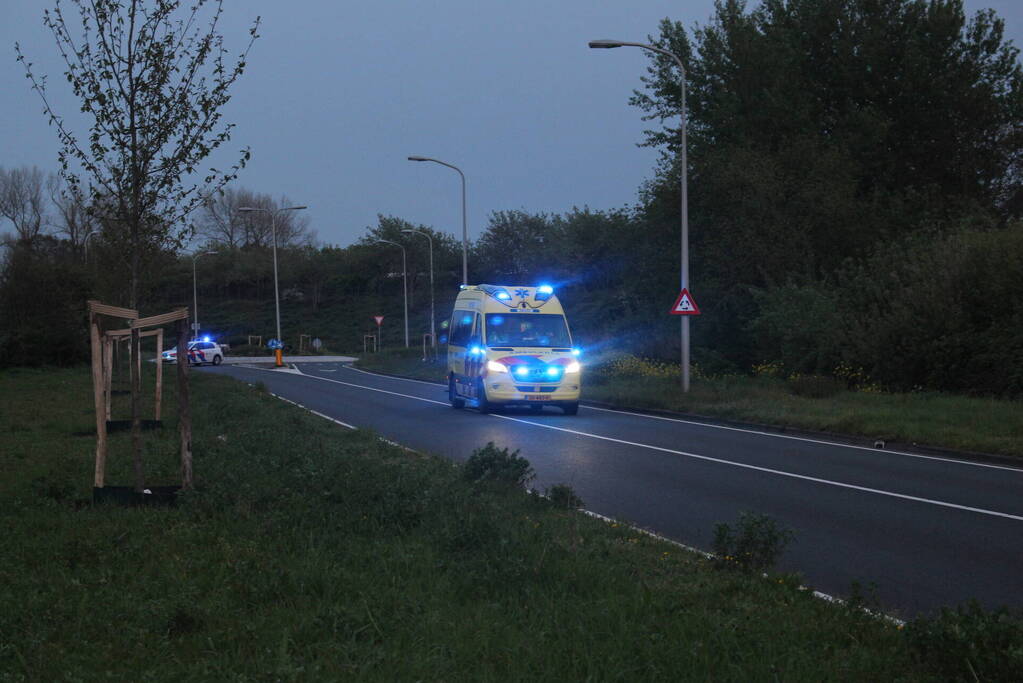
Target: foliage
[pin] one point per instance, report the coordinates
(493, 464)
(43, 293)
(562, 496)
(754, 543)
(154, 83)
(969, 643)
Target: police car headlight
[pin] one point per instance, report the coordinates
(572, 368)
(494, 366)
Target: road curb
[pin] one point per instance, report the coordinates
(850, 439)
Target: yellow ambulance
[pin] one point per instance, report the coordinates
(510, 345)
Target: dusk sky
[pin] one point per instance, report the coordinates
(337, 94)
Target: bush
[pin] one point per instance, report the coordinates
(494, 464)
(754, 544)
(968, 643)
(562, 496)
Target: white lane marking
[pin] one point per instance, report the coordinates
(721, 461)
(314, 412)
(403, 379)
(597, 515)
(809, 440)
(774, 435)
(769, 470)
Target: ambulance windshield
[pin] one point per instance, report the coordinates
(529, 329)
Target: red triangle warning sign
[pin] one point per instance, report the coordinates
(685, 304)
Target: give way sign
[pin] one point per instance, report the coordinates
(685, 304)
(379, 319)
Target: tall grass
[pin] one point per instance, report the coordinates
(310, 552)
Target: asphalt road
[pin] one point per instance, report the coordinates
(925, 531)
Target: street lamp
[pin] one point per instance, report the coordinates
(404, 277)
(195, 299)
(465, 229)
(273, 229)
(433, 331)
(85, 244)
(684, 183)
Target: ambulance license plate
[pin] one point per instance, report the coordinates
(541, 397)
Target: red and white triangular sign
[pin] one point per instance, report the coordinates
(379, 319)
(685, 304)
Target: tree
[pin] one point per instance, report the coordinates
(822, 129)
(221, 223)
(22, 201)
(153, 79)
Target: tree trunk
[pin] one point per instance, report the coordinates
(135, 377)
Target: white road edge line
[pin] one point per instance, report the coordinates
(775, 435)
(707, 458)
(609, 520)
(712, 556)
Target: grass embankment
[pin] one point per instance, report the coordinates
(929, 419)
(316, 553)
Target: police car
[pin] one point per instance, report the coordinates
(199, 352)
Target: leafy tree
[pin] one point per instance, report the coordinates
(153, 82)
(821, 129)
(153, 78)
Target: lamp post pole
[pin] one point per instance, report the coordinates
(404, 281)
(465, 229)
(85, 244)
(433, 317)
(684, 169)
(277, 297)
(195, 298)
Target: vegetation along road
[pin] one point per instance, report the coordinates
(926, 531)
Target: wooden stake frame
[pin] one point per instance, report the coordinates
(101, 343)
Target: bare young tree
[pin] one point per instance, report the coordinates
(153, 77)
(73, 219)
(22, 201)
(220, 221)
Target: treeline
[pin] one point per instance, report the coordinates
(855, 195)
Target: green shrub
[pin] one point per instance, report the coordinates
(815, 386)
(562, 496)
(494, 464)
(754, 544)
(968, 643)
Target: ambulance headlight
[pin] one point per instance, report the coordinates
(494, 366)
(572, 368)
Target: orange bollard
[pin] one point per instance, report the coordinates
(278, 353)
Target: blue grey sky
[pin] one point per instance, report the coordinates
(337, 95)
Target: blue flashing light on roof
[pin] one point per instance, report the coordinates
(544, 292)
(552, 371)
(502, 294)
(476, 350)
(206, 339)
(522, 371)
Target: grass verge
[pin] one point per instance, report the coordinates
(929, 419)
(312, 552)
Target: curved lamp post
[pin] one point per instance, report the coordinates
(273, 229)
(195, 298)
(685, 200)
(465, 229)
(404, 278)
(433, 331)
